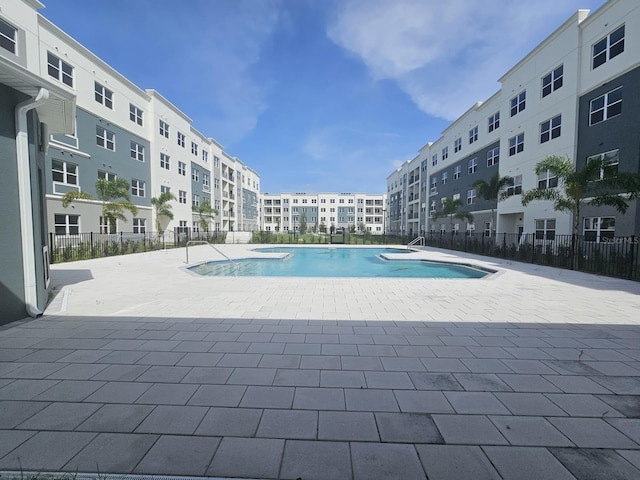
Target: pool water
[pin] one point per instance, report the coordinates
(337, 262)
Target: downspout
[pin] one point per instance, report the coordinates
(24, 198)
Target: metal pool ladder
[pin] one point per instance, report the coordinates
(192, 242)
(416, 241)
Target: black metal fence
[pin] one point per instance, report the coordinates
(615, 257)
(291, 238)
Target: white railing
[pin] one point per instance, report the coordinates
(192, 242)
(416, 241)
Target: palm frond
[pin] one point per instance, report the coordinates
(73, 195)
(540, 194)
(611, 200)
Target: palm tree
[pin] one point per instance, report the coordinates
(493, 191)
(450, 210)
(114, 196)
(593, 181)
(205, 214)
(162, 208)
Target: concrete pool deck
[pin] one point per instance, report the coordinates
(141, 367)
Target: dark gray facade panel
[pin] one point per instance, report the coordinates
(621, 132)
(250, 204)
(118, 162)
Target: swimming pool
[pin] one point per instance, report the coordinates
(337, 262)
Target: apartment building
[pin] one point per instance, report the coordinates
(571, 96)
(285, 212)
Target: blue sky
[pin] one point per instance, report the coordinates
(316, 95)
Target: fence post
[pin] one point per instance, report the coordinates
(632, 247)
(504, 244)
(52, 257)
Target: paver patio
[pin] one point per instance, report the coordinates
(139, 367)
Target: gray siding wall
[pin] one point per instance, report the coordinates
(621, 132)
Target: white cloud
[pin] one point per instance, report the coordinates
(445, 55)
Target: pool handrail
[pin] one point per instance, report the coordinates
(191, 242)
(417, 240)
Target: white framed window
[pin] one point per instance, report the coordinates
(434, 184)
(137, 188)
(516, 186)
(182, 168)
(107, 226)
(609, 47)
(443, 228)
(165, 189)
(137, 151)
(216, 161)
(60, 70)
(516, 144)
(196, 227)
(108, 176)
(205, 182)
(550, 129)
(457, 144)
(487, 229)
(609, 163)
(597, 228)
(181, 139)
(164, 128)
(494, 122)
(471, 227)
(473, 135)
(457, 171)
(195, 174)
(103, 95)
(165, 161)
(546, 229)
(64, 172)
(182, 196)
(445, 153)
(182, 226)
(434, 160)
(139, 225)
(8, 37)
(135, 114)
(65, 224)
(552, 81)
(195, 201)
(205, 156)
(605, 106)
(547, 180)
(444, 177)
(493, 157)
(105, 139)
(216, 183)
(518, 103)
(471, 196)
(472, 165)
(194, 148)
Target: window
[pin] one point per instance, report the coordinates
(182, 196)
(194, 148)
(473, 135)
(139, 225)
(516, 186)
(547, 180)
(137, 151)
(216, 183)
(165, 189)
(494, 122)
(546, 229)
(472, 165)
(516, 144)
(165, 161)
(135, 114)
(108, 227)
(59, 70)
(205, 156)
(445, 153)
(471, 196)
(605, 106)
(552, 81)
(195, 174)
(610, 46)
(216, 161)
(8, 36)
(205, 182)
(182, 168)
(550, 129)
(195, 201)
(457, 144)
(105, 139)
(181, 139)
(457, 171)
(434, 160)
(64, 172)
(434, 184)
(609, 163)
(67, 224)
(137, 188)
(164, 129)
(103, 95)
(598, 228)
(182, 227)
(493, 157)
(518, 103)
(455, 196)
(108, 176)
(444, 177)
